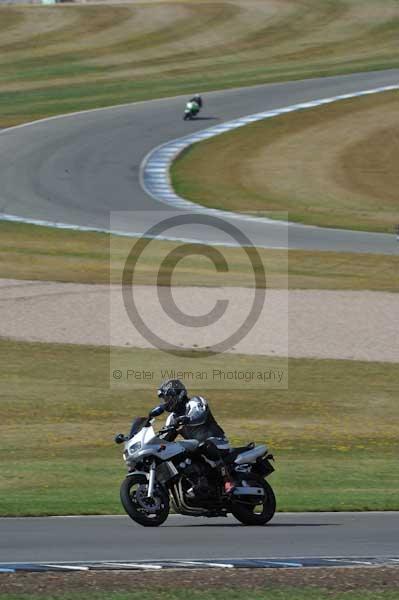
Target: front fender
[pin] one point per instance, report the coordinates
(142, 473)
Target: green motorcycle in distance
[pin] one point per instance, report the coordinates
(191, 111)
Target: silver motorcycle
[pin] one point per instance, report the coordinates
(164, 473)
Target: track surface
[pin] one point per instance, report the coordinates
(119, 538)
(77, 169)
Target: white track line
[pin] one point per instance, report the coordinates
(131, 564)
(201, 563)
(129, 234)
(88, 111)
(64, 566)
(218, 560)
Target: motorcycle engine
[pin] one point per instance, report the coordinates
(196, 485)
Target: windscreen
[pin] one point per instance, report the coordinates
(137, 424)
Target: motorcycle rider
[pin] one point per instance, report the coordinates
(197, 98)
(195, 421)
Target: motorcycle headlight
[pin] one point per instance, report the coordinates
(135, 447)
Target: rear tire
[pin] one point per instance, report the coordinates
(245, 513)
(133, 487)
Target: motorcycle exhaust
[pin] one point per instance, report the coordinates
(248, 491)
(189, 509)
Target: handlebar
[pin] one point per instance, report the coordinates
(179, 422)
(146, 421)
(167, 429)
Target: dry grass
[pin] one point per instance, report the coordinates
(334, 166)
(62, 58)
(41, 253)
(317, 581)
(310, 583)
(378, 583)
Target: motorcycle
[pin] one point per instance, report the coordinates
(163, 473)
(192, 109)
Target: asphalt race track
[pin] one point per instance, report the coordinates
(76, 169)
(120, 539)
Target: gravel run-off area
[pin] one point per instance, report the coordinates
(298, 323)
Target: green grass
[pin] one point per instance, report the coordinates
(334, 431)
(65, 58)
(41, 253)
(272, 593)
(304, 166)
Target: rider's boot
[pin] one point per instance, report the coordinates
(228, 483)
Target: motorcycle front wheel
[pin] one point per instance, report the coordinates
(149, 512)
(256, 514)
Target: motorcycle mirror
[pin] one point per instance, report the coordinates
(157, 411)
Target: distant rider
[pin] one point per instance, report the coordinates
(197, 98)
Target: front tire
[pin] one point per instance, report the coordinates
(259, 514)
(133, 497)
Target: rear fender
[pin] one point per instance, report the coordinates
(264, 467)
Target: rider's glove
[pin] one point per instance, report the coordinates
(119, 438)
(182, 420)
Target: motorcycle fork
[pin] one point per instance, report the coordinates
(151, 481)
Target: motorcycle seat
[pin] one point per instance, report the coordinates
(231, 455)
(189, 445)
(240, 449)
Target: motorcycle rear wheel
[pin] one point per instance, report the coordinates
(128, 493)
(246, 512)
